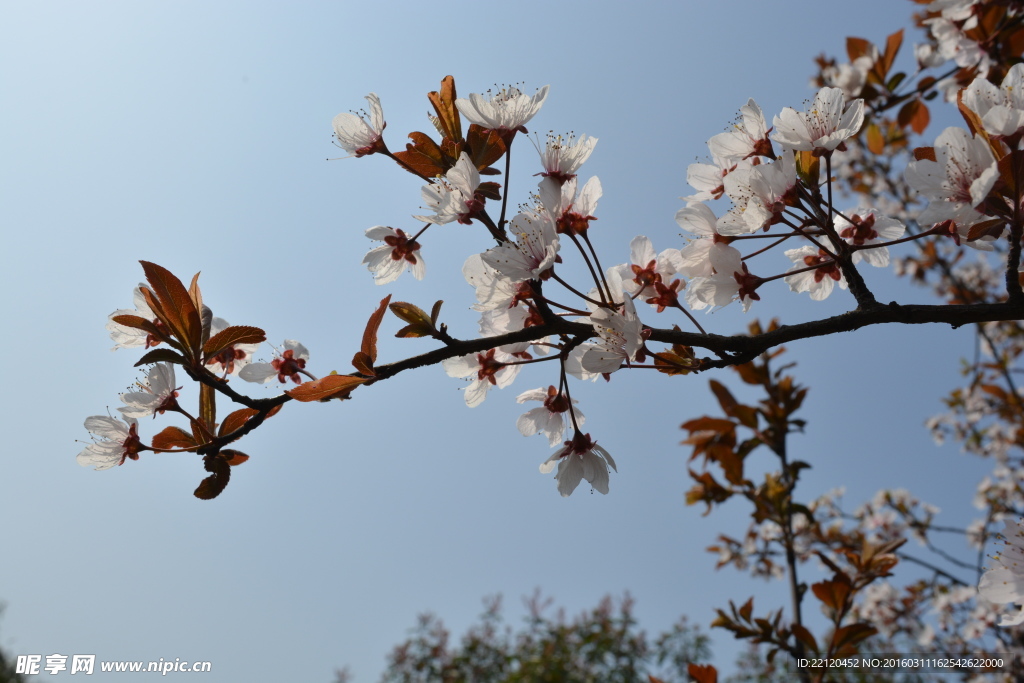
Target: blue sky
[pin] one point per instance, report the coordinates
(195, 135)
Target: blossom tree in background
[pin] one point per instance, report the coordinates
(818, 197)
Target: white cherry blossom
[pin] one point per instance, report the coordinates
(1004, 583)
(232, 359)
(118, 441)
(748, 138)
(357, 136)
(499, 321)
(285, 366)
(620, 339)
(549, 419)
(869, 227)
(389, 261)
(534, 251)
(960, 178)
(760, 194)
(506, 110)
(563, 156)
(731, 280)
(1001, 109)
(646, 270)
(158, 394)
(493, 290)
(709, 179)
(487, 369)
(125, 337)
(698, 219)
(571, 211)
(823, 127)
(453, 198)
(819, 281)
(581, 459)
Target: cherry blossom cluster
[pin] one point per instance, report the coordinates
(777, 181)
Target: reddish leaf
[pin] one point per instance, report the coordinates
(715, 424)
(805, 637)
(485, 146)
(972, 119)
(416, 330)
(160, 356)
(834, 593)
(725, 398)
(993, 227)
(213, 485)
(857, 47)
(702, 673)
(235, 420)
(447, 114)
(325, 387)
(876, 141)
(195, 294)
(236, 334)
(139, 323)
(732, 466)
(423, 157)
(706, 490)
(207, 407)
(808, 166)
(178, 310)
(886, 59)
(845, 639)
(914, 114)
(489, 190)
(173, 437)
(924, 153)
(234, 457)
(680, 361)
(410, 313)
(435, 311)
(367, 354)
(363, 364)
(746, 610)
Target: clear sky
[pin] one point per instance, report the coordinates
(195, 135)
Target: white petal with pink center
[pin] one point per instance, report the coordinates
(869, 227)
(824, 126)
(493, 290)
(562, 156)
(759, 194)
(581, 459)
(158, 391)
(117, 440)
(1004, 583)
(748, 138)
(546, 419)
(532, 253)
(637, 277)
(354, 134)
(962, 175)
(817, 282)
(454, 197)
(231, 360)
(485, 369)
(620, 339)
(125, 337)
(721, 288)
(507, 109)
(286, 364)
(389, 261)
(1001, 109)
